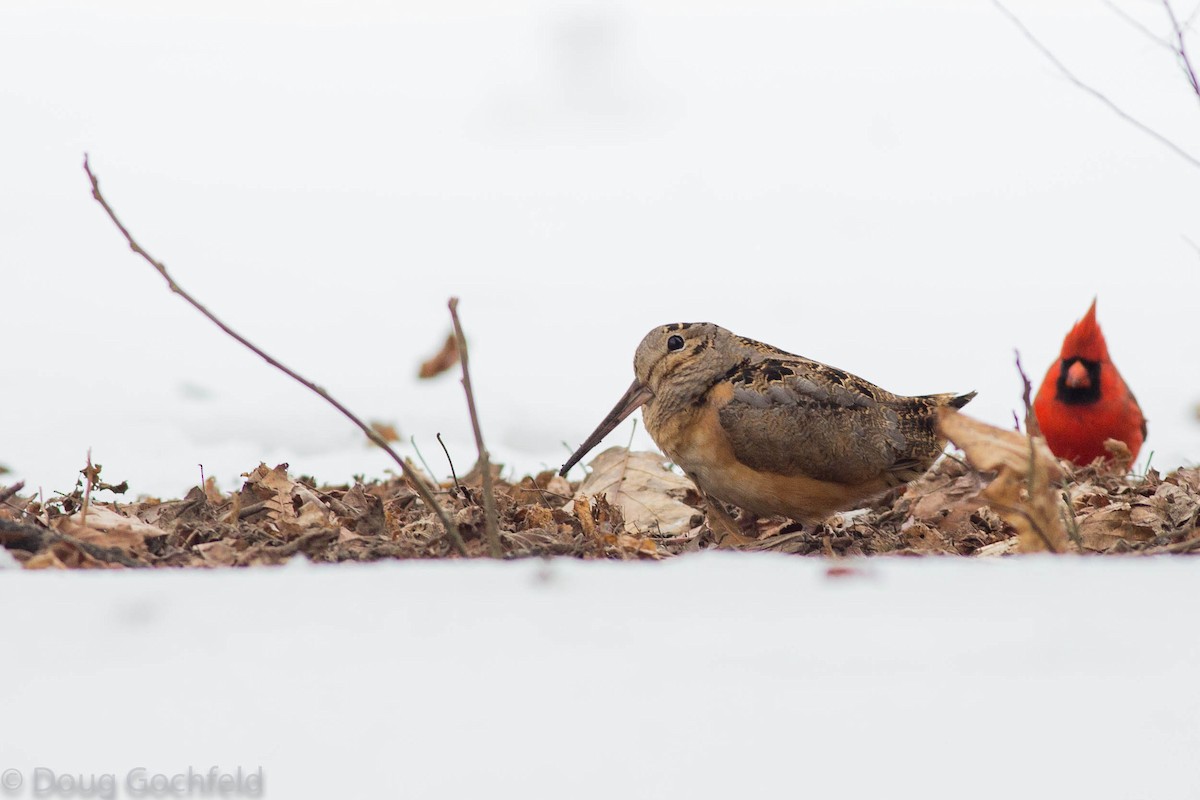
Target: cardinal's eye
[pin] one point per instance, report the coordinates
(675, 343)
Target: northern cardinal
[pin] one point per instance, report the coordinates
(1083, 401)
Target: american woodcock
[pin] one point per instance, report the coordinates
(772, 432)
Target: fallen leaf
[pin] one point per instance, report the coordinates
(1105, 528)
(1022, 492)
(1002, 548)
(211, 491)
(625, 545)
(1121, 459)
(949, 505)
(218, 554)
(583, 512)
(292, 506)
(104, 519)
(536, 516)
(648, 493)
(105, 527)
(45, 560)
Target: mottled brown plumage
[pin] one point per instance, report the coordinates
(773, 432)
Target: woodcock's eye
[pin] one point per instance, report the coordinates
(675, 343)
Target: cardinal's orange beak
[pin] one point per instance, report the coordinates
(1077, 376)
(634, 399)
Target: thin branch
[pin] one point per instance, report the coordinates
(491, 518)
(457, 483)
(1134, 22)
(1045, 51)
(89, 473)
(1031, 424)
(411, 474)
(545, 492)
(1032, 429)
(1181, 49)
(413, 441)
(1191, 18)
(1067, 512)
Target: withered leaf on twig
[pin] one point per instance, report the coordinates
(91, 473)
(445, 358)
(1023, 491)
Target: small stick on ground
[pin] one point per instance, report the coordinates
(491, 518)
(413, 477)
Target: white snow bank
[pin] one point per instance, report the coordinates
(708, 676)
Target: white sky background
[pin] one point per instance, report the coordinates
(908, 191)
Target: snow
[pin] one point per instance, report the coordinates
(906, 191)
(706, 676)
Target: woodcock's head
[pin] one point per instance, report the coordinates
(674, 363)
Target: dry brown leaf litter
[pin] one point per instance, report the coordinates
(952, 510)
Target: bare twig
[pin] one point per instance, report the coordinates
(1068, 517)
(1134, 22)
(1045, 51)
(543, 492)
(1031, 424)
(491, 518)
(1191, 19)
(413, 441)
(88, 473)
(413, 477)
(457, 483)
(1032, 429)
(1180, 48)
